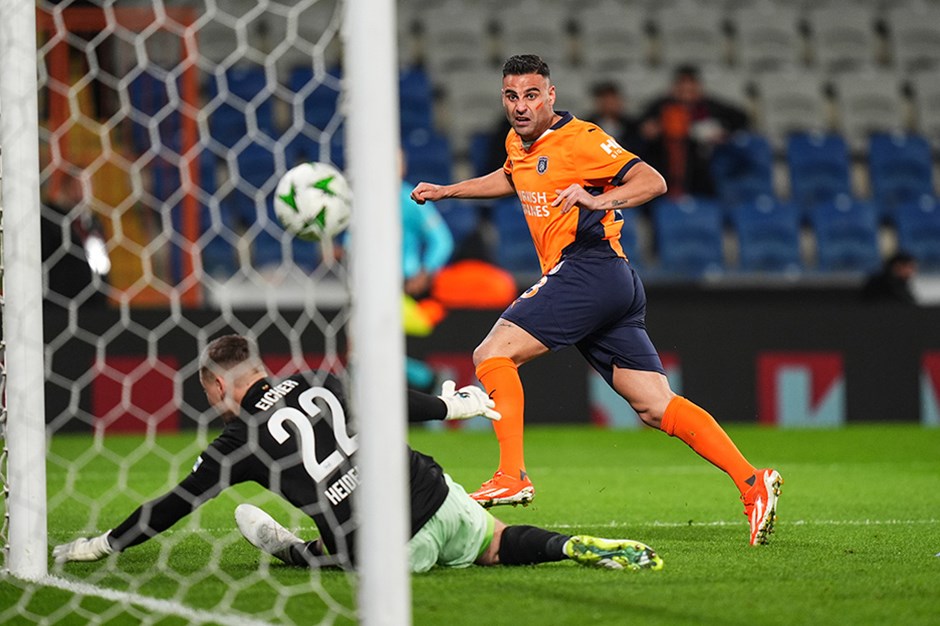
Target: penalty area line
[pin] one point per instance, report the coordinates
(157, 605)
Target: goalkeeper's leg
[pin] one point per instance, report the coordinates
(263, 532)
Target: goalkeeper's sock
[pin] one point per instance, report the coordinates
(699, 430)
(500, 378)
(305, 554)
(528, 545)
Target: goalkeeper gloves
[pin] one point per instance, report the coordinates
(83, 549)
(467, 402)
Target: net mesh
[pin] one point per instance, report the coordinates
(164, 127)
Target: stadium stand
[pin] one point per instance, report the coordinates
(919, 231)
(768, 236)
(526, 27)
(846, 232)
(900, 168)
(915, 37)
(843, 41)
(743, 169)
(868, 102)
(689, 236)
(691, 36)
(819, 169)
(766, 38)
(515, 251)
(791, 102)
(611, 37)
(927, 98)
(454, 38)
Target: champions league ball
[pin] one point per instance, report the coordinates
(313, 201)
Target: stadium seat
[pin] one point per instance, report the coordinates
(611, 37)
(868, 102)
(843, 39)
(900, 170)
(515, 251)
(927, 99)
(473, 104)
(572, 89)
(454, 38)
(767, 38)
(416, 100)
(462, 217)
(846, 235)
(743, 169)
(427, 157)
(726, 85)
(768, 236)
(527, 27)
(640, 86)
(791, 102)
(691, 35)
(235, 97)
(629, 238)
(918, 225)
(915, 38)
(150, 96)
(819, 168)
(688, 236)
(318, 94)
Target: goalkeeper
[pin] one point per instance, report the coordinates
(292, 437)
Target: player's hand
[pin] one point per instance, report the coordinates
(574, 195)
(83, 549)
(467, 402)
(427, 191)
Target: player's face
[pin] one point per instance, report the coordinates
(529, 100)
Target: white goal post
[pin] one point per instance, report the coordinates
(25, 434)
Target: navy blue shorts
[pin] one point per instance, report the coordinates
(597, 304)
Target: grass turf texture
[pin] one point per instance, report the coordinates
(856, 541)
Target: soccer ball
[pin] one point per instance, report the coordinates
(313, 201)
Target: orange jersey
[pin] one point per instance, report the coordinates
(572, 151)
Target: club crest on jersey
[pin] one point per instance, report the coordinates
(542, 165)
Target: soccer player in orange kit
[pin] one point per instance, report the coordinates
(573, 180)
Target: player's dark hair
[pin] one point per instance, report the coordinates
(687, 70)
(225, 352)
(520, 64)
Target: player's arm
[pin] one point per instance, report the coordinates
(639, 185)
(496, 184)
(452, 404)
(152, 518)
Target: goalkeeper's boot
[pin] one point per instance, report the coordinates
(504, 489)
(264, 533)
(612, 553)
(760, 504)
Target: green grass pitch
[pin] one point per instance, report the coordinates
(857, 540)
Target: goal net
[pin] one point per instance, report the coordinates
(163, 130)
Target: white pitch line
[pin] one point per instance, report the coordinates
(165, 607)
(659, 524)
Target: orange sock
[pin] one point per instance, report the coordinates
(699, 430)
(500, 378)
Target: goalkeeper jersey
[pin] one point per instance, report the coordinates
(296, 439)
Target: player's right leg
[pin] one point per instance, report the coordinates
(263, 532)
(497, 359)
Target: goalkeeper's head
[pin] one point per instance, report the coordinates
(227, 368)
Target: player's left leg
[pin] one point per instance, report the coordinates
(650, 396)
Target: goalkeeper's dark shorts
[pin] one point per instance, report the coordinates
(596, 304)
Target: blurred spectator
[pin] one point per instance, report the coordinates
(610, 113)
(75, 258)
(892, 283)
(682, 128)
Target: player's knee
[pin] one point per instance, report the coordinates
(651, 411)
(483, 352)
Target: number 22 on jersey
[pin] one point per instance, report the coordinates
(345, 445)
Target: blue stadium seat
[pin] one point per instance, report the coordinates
(900, 169)
(416, 99)
(743, 169)
(480, 143)
(320, 94)
(461, 217)
(515, 251)
(768, 236)
(846, 235)
(919, 231)
(228, 122)
(149, 95)
(629, 238)
(689, 236)
(819, 168)
(428, 157)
